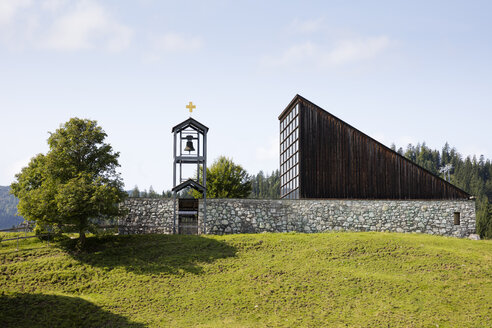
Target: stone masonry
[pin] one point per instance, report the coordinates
(147, 215)
(225, 216)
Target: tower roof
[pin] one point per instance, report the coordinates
(190, 123)
(190, 183)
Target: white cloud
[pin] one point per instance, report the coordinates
(88, 25)
(321, 56)
(173, 42)
(307, 26)
(9, 8)
(61, 25)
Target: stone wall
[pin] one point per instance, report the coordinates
(147, 215)
(421, 216)
(253, 216)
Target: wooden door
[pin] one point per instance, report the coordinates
(188, 217)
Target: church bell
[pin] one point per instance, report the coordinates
(189, 144)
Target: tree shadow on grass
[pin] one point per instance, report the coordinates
(144, 254)
(39, 310)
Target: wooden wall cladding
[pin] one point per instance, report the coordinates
(339, 161)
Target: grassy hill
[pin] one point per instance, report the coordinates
(285, 280)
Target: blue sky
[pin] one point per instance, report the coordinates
(400, 71)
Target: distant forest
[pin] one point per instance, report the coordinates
(472, 174)
(8, 209)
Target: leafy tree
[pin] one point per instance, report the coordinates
(75, 183)
(225, 179)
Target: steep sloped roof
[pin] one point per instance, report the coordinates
(339, 161)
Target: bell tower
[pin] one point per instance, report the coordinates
(190, 151)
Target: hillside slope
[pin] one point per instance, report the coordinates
(8, 209)
(286, 280)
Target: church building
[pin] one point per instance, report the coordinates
(321, 156)
(333, 178)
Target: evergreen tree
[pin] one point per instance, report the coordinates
(470, 174)
(266, 187)
(152, 193)
(135, 192)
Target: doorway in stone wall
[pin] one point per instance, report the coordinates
(188, 216)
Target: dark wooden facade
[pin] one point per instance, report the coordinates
(338, 161)
(188, 216)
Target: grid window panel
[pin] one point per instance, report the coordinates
(289, 147)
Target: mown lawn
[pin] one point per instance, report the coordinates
(268, 280)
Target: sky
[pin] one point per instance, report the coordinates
(400, 71)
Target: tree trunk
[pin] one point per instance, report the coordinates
(82, 227)
(81, 238)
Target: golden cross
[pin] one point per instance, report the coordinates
(190, 106)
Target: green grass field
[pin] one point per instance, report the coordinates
(267, 280)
